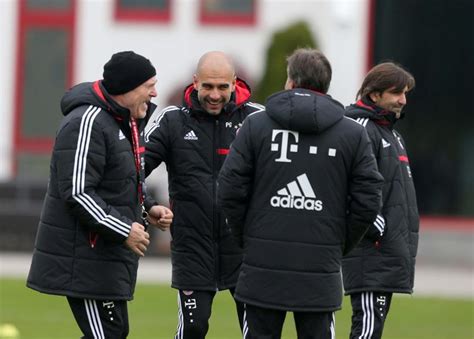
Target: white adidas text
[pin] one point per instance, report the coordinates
(298, 203)
(297, 194)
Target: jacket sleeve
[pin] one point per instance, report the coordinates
(81, 159)
(365, 193)
(157, 141)
(235, 181)
(378, 227)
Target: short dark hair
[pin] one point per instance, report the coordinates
(309, 68)
(384, 76)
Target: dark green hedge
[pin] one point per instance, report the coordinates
(284, 42)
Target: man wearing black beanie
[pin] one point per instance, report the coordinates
(92, 229)
(130, 80)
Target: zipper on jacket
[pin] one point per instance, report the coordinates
(215, 219)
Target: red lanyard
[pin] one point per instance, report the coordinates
(138, 153)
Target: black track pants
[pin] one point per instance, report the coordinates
(369, 311)
(100, 319)
(194, 311)
(260, 323)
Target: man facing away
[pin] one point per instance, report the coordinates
(91, 232)
(384, 261)
(299, 189)
(193, 140)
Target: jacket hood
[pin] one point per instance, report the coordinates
(239, 97)
(365, 108)
(79, 95)
(93, 93)
(304, 110)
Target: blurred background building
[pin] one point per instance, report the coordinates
(49, 45)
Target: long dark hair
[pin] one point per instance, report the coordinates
(384, 76)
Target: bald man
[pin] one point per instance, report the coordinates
(193, 140)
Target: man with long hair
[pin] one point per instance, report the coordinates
(384, 261)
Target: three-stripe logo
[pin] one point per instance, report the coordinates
(297, 194)
(385, 143)
(190, 136)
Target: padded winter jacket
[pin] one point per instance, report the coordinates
(194, 144)
(388, 263)
(91, 202)
(299, 188)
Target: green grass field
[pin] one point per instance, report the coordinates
(153, 314)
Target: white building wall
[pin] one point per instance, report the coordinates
(174, 48)
(8, 27)
(339, 26)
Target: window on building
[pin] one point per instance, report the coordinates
(33, 5)
(44, 81)
(228, 12)
(43, 72)
(143, 10)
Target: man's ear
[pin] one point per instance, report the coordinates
(290, 84)
(374, 96)
(195, 82)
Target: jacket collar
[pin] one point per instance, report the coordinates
(379, 115)
(119, 112)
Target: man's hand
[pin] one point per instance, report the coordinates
(160, 216)
(138, 239)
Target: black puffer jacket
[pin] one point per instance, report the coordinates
(284, 189)
(91, 202)
(194, 144)
(388, 264)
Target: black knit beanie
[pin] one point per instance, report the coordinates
(126, 71)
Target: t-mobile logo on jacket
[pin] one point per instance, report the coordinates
(285, 141)
(297, 194)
